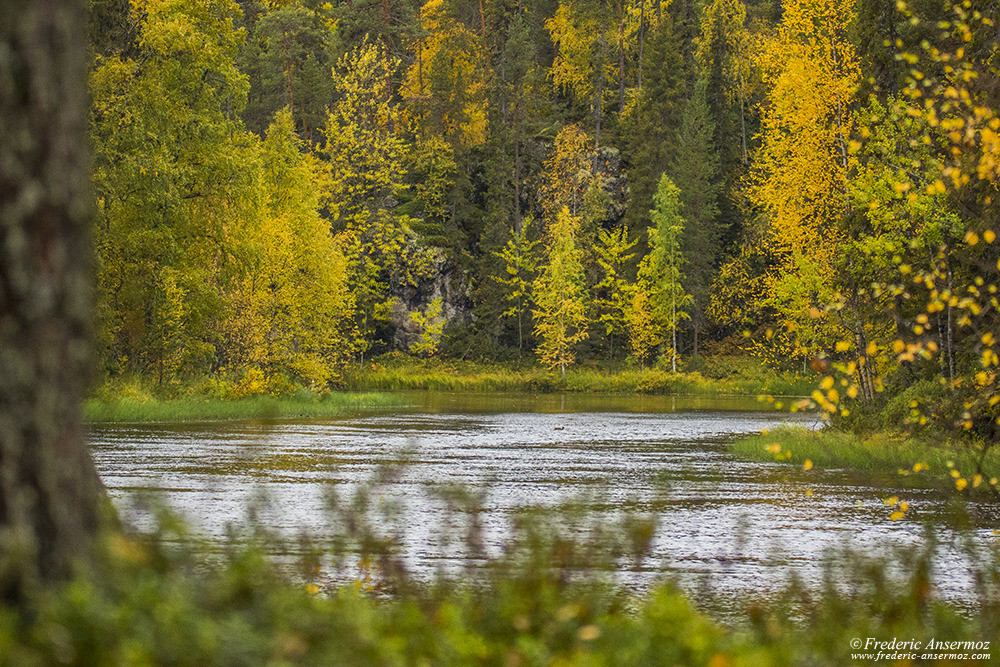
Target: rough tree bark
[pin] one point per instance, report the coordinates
(50, 495)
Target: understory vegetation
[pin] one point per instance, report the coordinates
(716, 376)
(895, 458)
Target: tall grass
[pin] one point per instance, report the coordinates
(197, 408)
(394, 373)
(910, 460)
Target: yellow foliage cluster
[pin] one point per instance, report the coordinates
(568, 172)
(560, 295)
(446, 80)
(944, 284)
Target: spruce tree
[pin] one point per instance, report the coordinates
(695, 171)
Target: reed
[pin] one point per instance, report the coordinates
(909, 460)
(395, 374)
(302, 404)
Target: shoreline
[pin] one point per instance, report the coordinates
(371, 386)
(908, 461)
(744, 378)
(148, 410)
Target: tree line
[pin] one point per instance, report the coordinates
(279, 182)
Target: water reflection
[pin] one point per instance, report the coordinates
(744, 525)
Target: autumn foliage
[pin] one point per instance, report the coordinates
(285, 188)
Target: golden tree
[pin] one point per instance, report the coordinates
(560, 295)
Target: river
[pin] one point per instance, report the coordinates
(731, 526)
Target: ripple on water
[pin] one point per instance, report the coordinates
(743, 525)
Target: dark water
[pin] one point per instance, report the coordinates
(741, 526)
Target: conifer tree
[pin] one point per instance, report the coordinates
(649, 126)
(660, 272)
(695, 169)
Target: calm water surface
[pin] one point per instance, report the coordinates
(740, 526)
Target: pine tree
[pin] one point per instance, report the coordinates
(51, 500)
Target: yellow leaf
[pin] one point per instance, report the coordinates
(961, 484)
(892, 500)
(842, 346)
(896, 516)
(807, 464)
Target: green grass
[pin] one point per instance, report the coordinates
(880, 454)
(198, 408)
(393, 373)
(255, 395)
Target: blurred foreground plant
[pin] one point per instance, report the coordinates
(551, 594)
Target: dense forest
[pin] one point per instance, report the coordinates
(286, 186)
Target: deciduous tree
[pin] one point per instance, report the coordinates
(560, 295)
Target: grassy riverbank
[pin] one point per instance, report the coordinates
(253, 395)
(141, 400)
(722, 376)
(190, 408)
(911, 461)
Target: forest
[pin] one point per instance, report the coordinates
(287, 187)
(274, 195)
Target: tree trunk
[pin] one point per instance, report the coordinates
(642, 40)
(621, 62)
(50, 495)
(673, 324)
(743, 122)
(600, 90)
